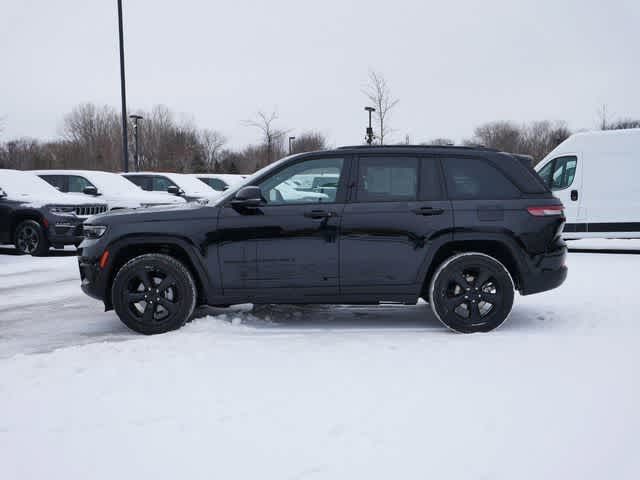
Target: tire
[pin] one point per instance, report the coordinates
(154, 293)
(471, 292)
(29, 237)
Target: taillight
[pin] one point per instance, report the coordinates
(546, 211)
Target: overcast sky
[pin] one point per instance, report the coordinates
(452, 64)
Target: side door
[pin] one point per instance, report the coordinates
(286, 248)
(396, 210)
(563, 176)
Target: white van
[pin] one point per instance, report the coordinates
(597, 177)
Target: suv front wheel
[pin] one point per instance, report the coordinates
(471, 292)
(154, 293)
(30, 238)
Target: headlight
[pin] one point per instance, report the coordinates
(93, 231)
(63, 210)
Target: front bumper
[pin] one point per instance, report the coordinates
(67, 231)
(91, 281)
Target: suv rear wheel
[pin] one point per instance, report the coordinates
(29, 237)
(154, 293)
(471, 292)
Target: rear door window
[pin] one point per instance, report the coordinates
(215, 183)
(56, 181)
(142, 181)
(385, 179)
(477, 179)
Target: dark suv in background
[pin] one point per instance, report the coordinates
(461, 227)
(34, 216)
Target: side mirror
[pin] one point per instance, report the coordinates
(174, 190)
(90, 190)
(250, 197)
(2, 193)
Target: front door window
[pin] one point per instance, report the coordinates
(309, 182)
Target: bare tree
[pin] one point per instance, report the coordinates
(602, 115)
(309, 142)
(440, 141)
(212, 143)
(379, 94)
(535, 139)
(272, 137)
(623, 124)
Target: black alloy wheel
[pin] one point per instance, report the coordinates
(154, 293)
(472, 292)
(29, 237)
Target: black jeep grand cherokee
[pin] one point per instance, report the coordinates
(461, 227)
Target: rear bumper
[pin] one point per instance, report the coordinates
(548, 272)
(545, 280)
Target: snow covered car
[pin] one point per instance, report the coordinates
(34, 216)
(173, 184)
(220, 181)
(461, 227)
(117, 192)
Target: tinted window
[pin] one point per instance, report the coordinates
(290, 185)
(141, 181)
(564, 171)
(471, 179)
(56, 181)
(431, 180)
(545, 173)
(161, 184)
(215, 183)
(384, 179)
(77, 184)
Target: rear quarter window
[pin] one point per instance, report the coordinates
(477, 179)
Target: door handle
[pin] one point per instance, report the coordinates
(574, 195)
(318, 214)
(428, 211)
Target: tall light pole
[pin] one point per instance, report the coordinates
(136, 155)
(291, 139)
(123, 92)
(369, 135)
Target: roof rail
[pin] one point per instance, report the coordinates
(409, 147)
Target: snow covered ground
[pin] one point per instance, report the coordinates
(321, 392)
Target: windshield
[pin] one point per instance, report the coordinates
(21, 184)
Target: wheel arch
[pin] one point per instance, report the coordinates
(178, 248)
(501, 249)
(22, 215)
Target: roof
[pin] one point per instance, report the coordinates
(625, 140)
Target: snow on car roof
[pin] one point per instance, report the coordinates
(19, 185)
(104, 181)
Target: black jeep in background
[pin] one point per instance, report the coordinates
(461, 227)
(34, 216)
